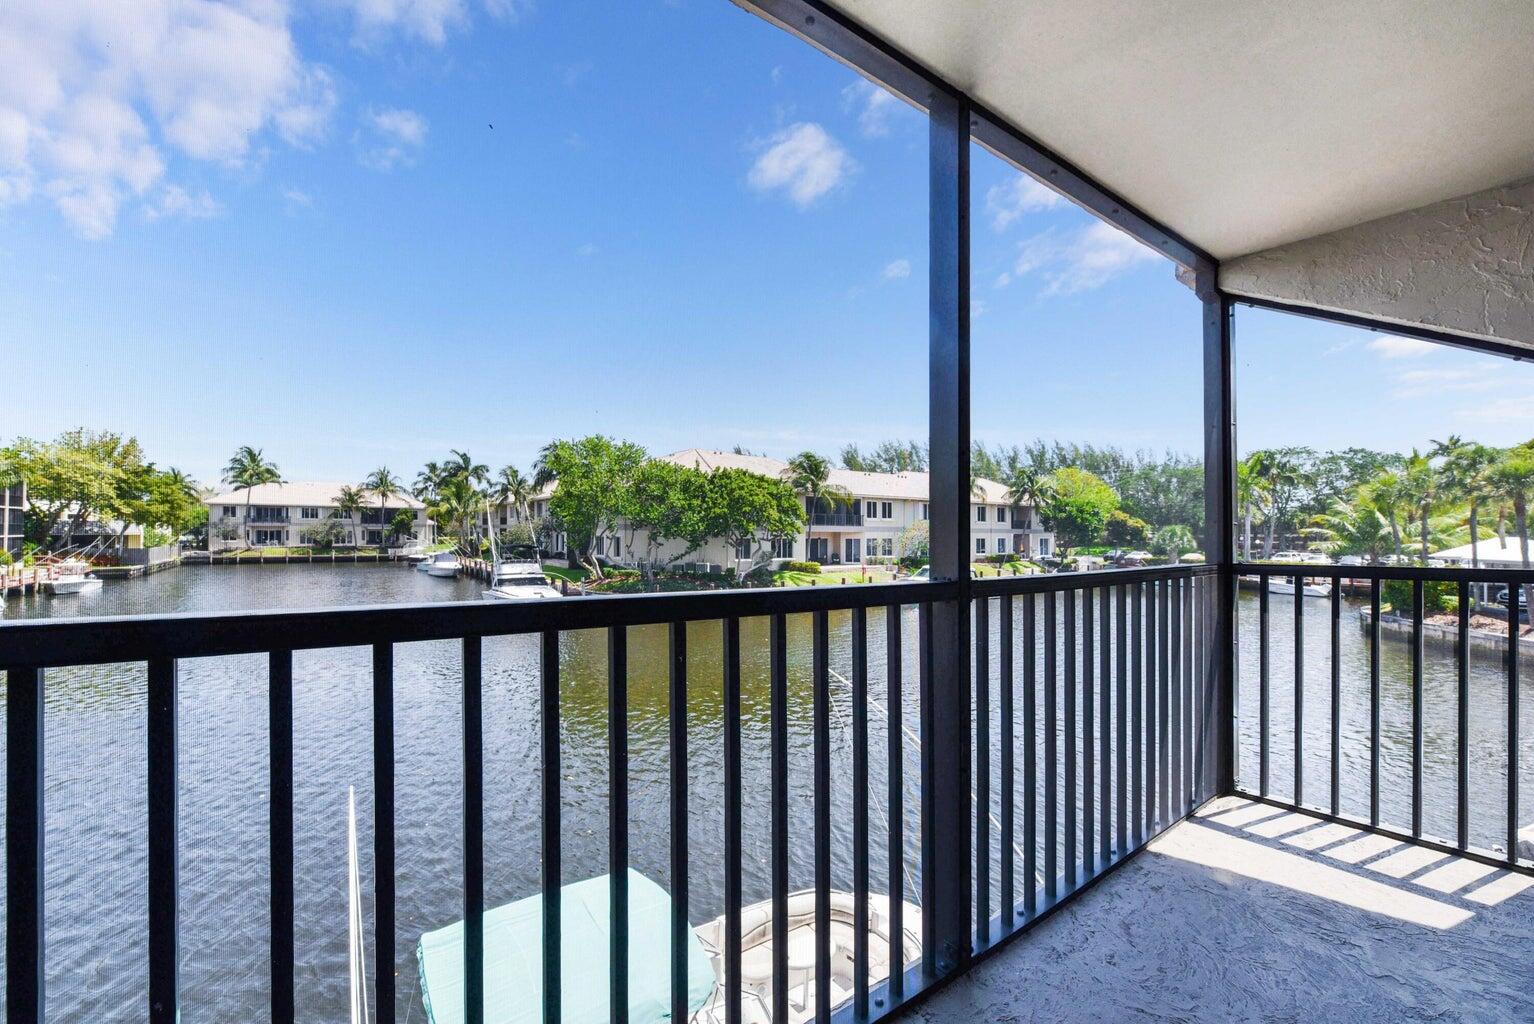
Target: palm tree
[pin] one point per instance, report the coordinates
(461, 465)
(1251, 492)
(426, 483)
(1512, 479)
(349, 501)
(1279, 473)
(1425, 493)
(248, 468)
(1386, 494)
(511, 486)
(457, 503)
(386, 485)
(1351, 528)
(1026, 485)
(809, 475)
(1464, 479)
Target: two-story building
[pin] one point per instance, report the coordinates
(873, 526)
(281, 515)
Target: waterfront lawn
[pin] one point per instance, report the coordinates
(830, 577)
(297, 552)
(559, 572)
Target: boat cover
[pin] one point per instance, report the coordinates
(514, 959)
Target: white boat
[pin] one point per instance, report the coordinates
(1281, 585)
(512, 937)
(518, 576)
(444, 564)
(72, 580)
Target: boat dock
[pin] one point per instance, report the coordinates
(18, 580)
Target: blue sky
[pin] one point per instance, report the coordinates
(360, 232)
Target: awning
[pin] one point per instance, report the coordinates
(514, 959)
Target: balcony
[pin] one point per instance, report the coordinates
(834, 519)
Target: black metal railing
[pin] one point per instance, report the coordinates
(836, 519)
(1311, 591)
(1116, 659)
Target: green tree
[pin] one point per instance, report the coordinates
(1387, 494)
(402, 523)
(246, 470)
(1284, 478)
(458, 504)
(750, 510)
(1351, 528)
(1463, 471)
(384, 485)
(1250, 496)
(594, 476)
(1027, 486)
(1125, 531)
(1079, 508)
(1174, 541)
(810, 477)
(887, 457)
(349, 502)
(1512, 478)
(514, 489)
(325, 534)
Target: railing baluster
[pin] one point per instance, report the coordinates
(383, 830)
(1139, 735)
(1088, 738)
(895, 786)
(732, 822)
(1008, 769)
(821, 743)
(1069, 721)
(1163, 685)
(1374, 704)
(25, 995)
(1299, 690)
(1152, 706)
(1462, 818)
(982, 697)
(1416, 709)
(926, 731)
(1105, 732)
(1051, 763)
(618, 824)
(164, 948)
(1030, 758)
(280, 829)
(778, 686)
(1175, 731)
(1264, 700)
(1513, 765)
(677, 713)
(1121, 726)
(1188, 778)
(1336, 654)
(551, 875)
(473, 833)
(859, 814)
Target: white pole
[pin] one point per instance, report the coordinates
(356, 956)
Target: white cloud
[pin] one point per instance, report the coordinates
(874, 106)
(1077, 261)
(894, 270)
(97, 98)
(1476, 377)
(1022, 194)
(1392, 347)
(427, 20)
(1518, 411)
(389, 138)
(803, 161)
(296, 199)
(175, 201)
(589, 249)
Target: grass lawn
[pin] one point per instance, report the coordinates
(573, 575)
(830, 577)
(1009, 569)
(340, 553)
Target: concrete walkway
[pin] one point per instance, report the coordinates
(1249, 913)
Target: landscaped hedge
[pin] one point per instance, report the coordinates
(802, 566)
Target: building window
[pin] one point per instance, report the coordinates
(230, 511)
(1044, 547)
(980, 513)
(1001, 514)
(743, 549)
(979, 545)
(783, 548)
(889, 547)
(375, 537)
(309, 512)
(1001, 545)
(924, 510)
(889, 511)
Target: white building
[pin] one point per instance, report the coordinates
(282, 514)
(883, 507)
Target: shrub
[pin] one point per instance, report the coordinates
(998, 559)
(1437, 596)
(1125, 531)
(802, 566)
(5, 557)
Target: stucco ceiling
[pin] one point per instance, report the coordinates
(1245, 124)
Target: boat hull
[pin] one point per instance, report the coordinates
(69, 587)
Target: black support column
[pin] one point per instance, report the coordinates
(1217, 724)
(946, 892)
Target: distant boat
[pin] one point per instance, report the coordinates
(1279, 585)
(518, 576)
(72, 580)
(444, 564)
(513, 938)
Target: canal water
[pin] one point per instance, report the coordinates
(95, 777)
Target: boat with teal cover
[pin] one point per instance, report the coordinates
(514, 959)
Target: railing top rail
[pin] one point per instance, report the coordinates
(1433, 573)
(104, 640)
(1044, 583)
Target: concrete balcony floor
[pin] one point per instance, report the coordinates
(1250, 913)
